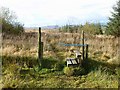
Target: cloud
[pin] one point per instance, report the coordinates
(49, 12)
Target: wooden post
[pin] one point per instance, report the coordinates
(40, 47)
(83, 44)
(87, 51)
(41, 51)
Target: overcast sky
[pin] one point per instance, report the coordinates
(58, 12)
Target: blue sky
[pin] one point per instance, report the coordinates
(34, 13)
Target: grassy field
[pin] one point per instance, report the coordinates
(21, 69)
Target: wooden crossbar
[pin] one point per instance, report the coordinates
(73, 44)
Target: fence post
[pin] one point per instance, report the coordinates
(41, 51)
(87, 51)
(83, 44)
(40, 44)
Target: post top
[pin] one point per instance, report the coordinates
(39, 28)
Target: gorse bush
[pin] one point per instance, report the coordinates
(10, 25)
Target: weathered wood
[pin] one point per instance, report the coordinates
(87, 51)
(40, 51)
(74, 61)
(84, 52)
(83, 44)
(73, 44)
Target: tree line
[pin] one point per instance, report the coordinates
(10, 25)
(91, 28)
(112, 27)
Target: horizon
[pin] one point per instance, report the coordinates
(58, 26)
(35, 13)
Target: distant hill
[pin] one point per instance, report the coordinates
(29, 28)
(43, 27)
(50, 27)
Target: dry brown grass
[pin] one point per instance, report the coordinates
(105, 47)
(25, 44)
(102, 48)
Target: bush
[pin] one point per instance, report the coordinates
(9, 23)
(68, 71)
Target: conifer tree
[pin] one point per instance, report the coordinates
(113, 26)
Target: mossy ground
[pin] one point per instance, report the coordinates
(18, 75)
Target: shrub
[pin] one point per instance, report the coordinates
(9, 23)
(68, 71)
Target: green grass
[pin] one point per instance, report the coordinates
(19, 73)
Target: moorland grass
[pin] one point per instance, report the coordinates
(99, 75)
(20, 66)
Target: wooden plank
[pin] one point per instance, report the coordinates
(77, 60)
(72, 61)
(82, 38)
(73, 44)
